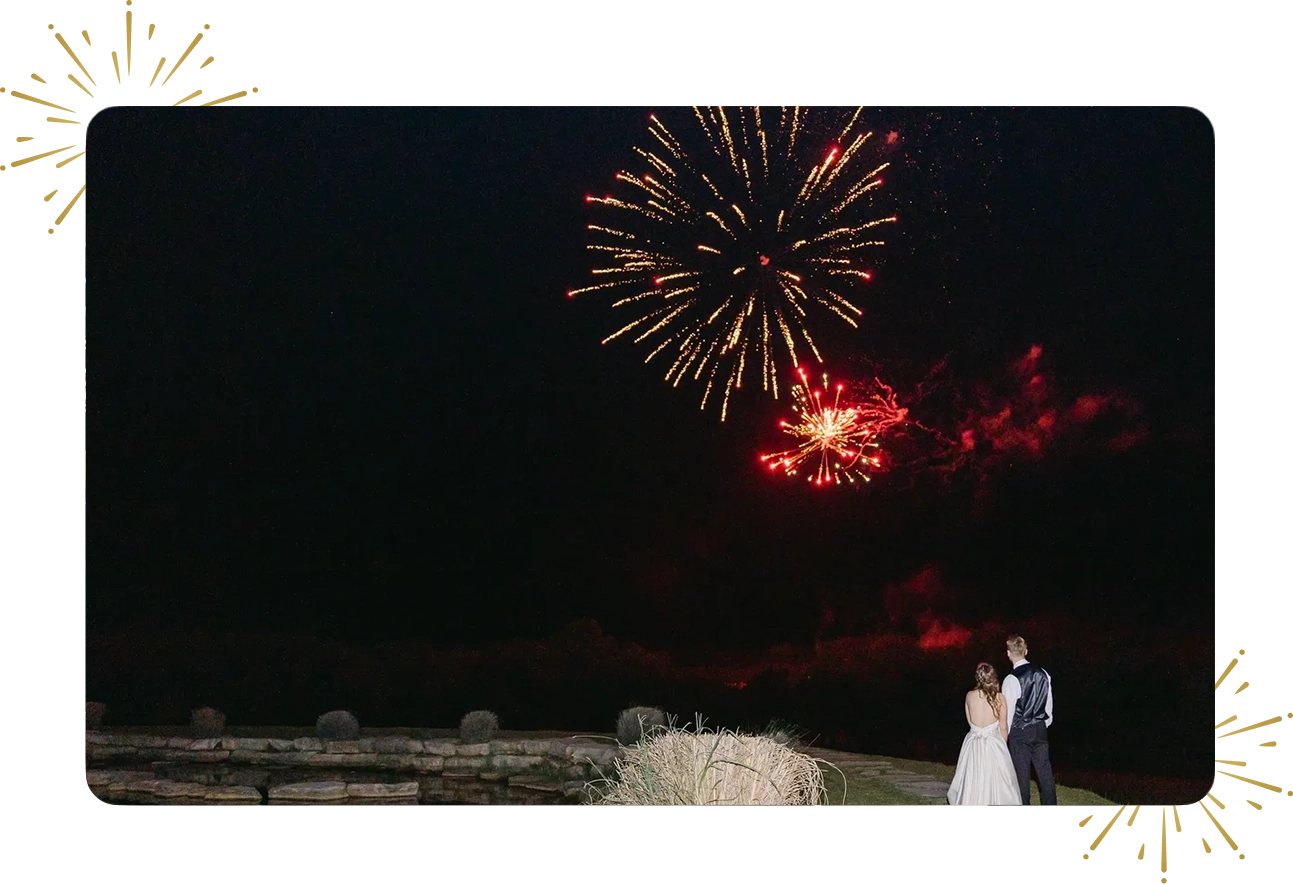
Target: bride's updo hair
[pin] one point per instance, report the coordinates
(985, 679)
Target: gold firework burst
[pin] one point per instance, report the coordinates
(728, 252)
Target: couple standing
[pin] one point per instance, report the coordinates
(1007, 735)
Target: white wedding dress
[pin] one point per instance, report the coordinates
(984, 772)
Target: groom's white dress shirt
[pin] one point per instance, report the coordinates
(1011, 691)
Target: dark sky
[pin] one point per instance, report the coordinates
(335, 385)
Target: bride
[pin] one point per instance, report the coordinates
(984, 772)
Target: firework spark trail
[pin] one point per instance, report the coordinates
(747, 239)
(839, 437)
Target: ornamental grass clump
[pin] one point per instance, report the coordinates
(479, 726)
(638, 722)
(677, 766)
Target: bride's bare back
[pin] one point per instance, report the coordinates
(980, 714)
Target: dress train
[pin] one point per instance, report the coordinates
(984, 772)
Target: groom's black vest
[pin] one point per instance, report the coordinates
(1030, 708)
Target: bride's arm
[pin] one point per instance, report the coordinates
(1002, 721)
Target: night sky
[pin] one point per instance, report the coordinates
(335, 387)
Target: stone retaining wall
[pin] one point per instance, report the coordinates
(562, 764)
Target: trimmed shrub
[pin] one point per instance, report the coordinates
(94, 715)
(676, 766)
(207, 722)
(479, 726)
(633, 724)
(337, 725)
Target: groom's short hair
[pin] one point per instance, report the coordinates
(1017, 646)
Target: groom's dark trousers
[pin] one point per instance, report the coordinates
(1028, 747)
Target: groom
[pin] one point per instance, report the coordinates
(1029, 705)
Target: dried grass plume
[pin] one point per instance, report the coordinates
(681, 766)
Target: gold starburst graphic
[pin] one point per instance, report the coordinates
(1199, 820)
(52, 145)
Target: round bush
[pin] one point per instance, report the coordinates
(94, 715)
(337, 725)
(207, 722)
(638, 722)
(479, 726)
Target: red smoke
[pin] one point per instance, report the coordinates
(939, 636)
(913, 600)
(1027, 417)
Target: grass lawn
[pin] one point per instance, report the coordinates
(862, 789)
